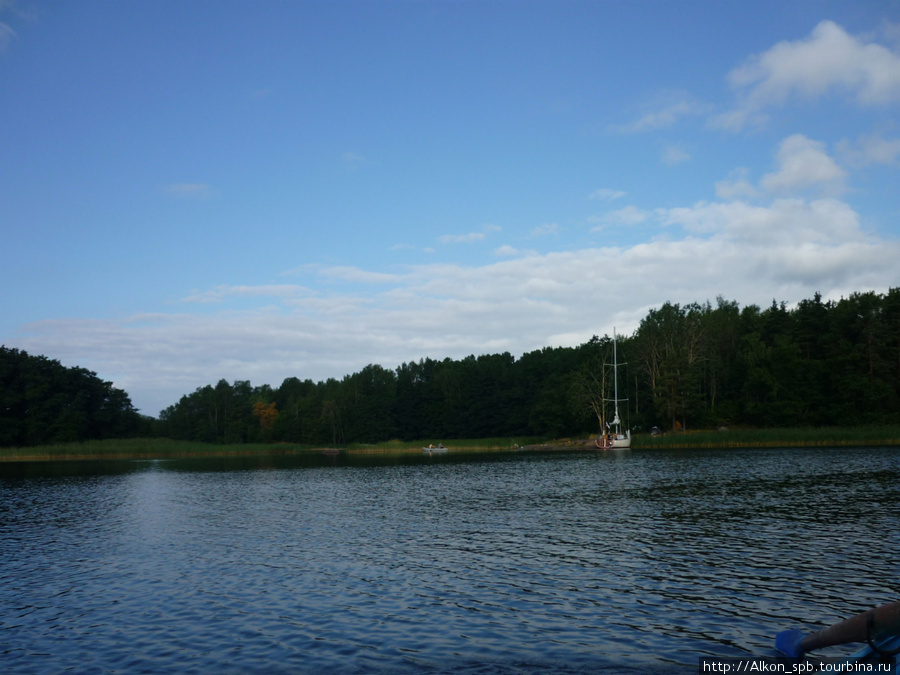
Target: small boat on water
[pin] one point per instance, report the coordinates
(435, 449)
(878, 657)
(615, 438)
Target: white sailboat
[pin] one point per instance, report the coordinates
(615, 437)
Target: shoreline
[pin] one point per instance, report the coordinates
(162, 449)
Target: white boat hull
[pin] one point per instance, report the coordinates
(620, 441)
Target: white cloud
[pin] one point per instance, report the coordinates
(470, 237)
(802, 164)
(545, 229)
(357, 275)
(736, 186)
(880, 150)
(674, 154)
(628, 215)
(828, 61)
(220, 294)
(462, 238)
(784, 223)
(506, 251)
(868, 150)
(664, 115)
(738, 119)
(353, 160)
(606, 194)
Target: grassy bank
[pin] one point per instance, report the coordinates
(139, 448)
(772, 438)
(163, 448)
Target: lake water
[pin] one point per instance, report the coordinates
(633, 561)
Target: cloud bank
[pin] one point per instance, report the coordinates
(786, 249)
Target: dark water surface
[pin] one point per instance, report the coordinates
(567, 562)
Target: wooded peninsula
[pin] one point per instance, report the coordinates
(697, 366)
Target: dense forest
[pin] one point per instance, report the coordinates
(43, 402)
(693, 366)
(685, 367)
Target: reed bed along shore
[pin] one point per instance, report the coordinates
(163, 448)
(139, 448)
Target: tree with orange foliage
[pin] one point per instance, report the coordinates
(266, 412)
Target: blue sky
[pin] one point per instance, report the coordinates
(192, 191)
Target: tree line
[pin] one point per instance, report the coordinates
(43, 402)
(818, 364)
(692, 366)
(686, 366)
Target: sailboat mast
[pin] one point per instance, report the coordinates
(616, 439)
(616, 374)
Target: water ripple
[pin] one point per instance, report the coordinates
(635, 562)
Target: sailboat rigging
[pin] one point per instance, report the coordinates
(614, 437)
